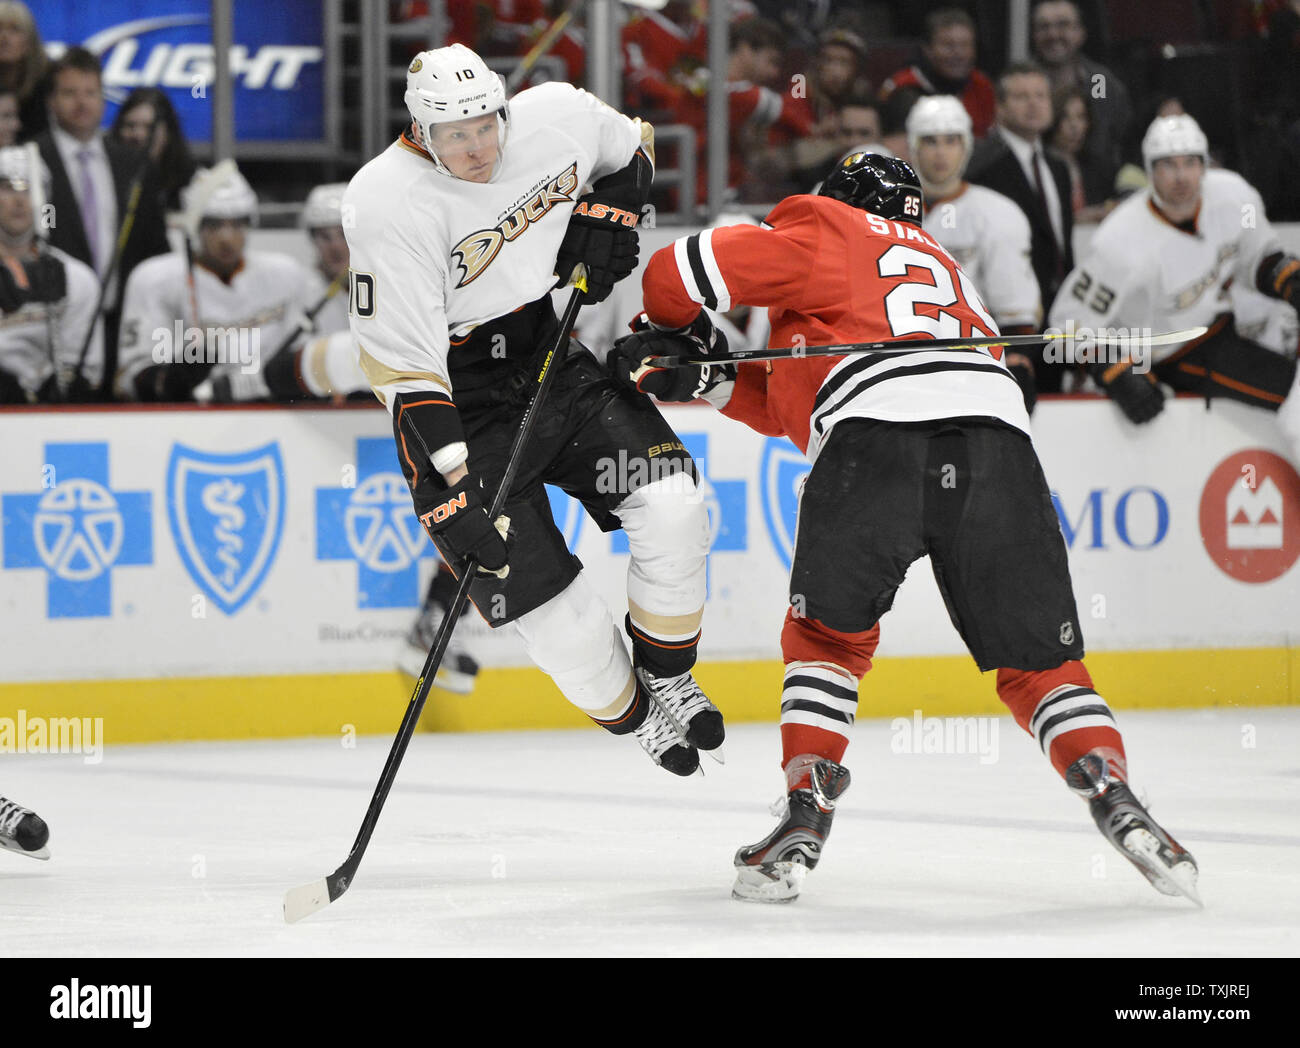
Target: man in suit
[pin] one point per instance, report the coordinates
(90, 185)
(1013, 161)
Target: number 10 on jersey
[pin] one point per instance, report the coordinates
(361, 294)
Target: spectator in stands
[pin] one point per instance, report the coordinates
(1058, 36)
(665, 61)
(222, 317)
(837, 71)
(23, 65)
(1091, 193)
(148, 121)
(11, 124)
(1012, 161)
(857, 120)
(764, 122)
(91, 182)
(946, 67)
(47, 298)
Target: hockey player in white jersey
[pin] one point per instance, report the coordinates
(22, 830)
(1166, 259)
(184, 322)
(47, 298)
(461, 230)
(984, 231)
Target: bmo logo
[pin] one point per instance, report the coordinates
(1250, 516)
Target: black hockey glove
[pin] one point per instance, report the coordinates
(1279, 277)
(1138, 396)
(671, 385)
(460, 518)
(601, 236)
(13, 296)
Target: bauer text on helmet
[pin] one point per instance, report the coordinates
(458, 111)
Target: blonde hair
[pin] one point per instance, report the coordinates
(28, 71)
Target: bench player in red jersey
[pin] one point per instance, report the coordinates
(914, 453)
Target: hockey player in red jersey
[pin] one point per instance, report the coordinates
(914, 453)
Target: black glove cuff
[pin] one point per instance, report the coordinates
(424, 422)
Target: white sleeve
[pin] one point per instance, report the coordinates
(397, 308)
(329, 365)
(1009, 287)
(148, 305)
(1258, 237)
(80, 317)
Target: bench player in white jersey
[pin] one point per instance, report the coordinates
(461, 230)
(184, 322)
(47, 298)
(22, 830)
(916, 453)
(1166, 259)
(984, 231)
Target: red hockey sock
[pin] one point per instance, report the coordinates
(1063, 713)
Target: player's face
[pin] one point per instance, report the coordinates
(469, 148)
(331, 250)
(1026, 108)
(953, 51)
(1177, 182)
(1058, 33)
(939, 158)
(221, 242)
(15, 210)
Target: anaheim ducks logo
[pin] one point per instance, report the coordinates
(475, 252)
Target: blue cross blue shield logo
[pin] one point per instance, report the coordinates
(781, 472)
(78, 530)
(226, 513)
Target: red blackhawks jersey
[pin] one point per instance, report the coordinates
(831, 273)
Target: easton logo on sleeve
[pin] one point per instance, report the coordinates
(475, 252)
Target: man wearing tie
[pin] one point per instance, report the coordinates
(1012, 161)
(91, 184)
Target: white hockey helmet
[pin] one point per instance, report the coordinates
(938, 115)
(23, 170)
(219, 191)
(1173, 136)
(453, 83)
(324, 206)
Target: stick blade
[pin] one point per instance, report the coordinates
(305, 900)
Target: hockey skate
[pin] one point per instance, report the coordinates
(698, 722)
(458, 669)
(23, 831)
(661, 737)
(773, 869)
(1130, 828)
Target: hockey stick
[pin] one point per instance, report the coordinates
(305, 322)
(308, 898)
(1164, 338)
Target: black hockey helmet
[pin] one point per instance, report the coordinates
(883, 185)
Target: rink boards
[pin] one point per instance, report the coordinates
(229, 573)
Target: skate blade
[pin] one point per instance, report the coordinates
(772, 882)
(42, 852)
(1143, 849)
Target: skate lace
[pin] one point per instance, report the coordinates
(656, 733)
(10, 815)
(680, 694)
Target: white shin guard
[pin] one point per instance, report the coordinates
(573, 639)
(667, 526)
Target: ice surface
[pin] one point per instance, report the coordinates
(564, 843)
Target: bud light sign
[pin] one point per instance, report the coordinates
(276, 62)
